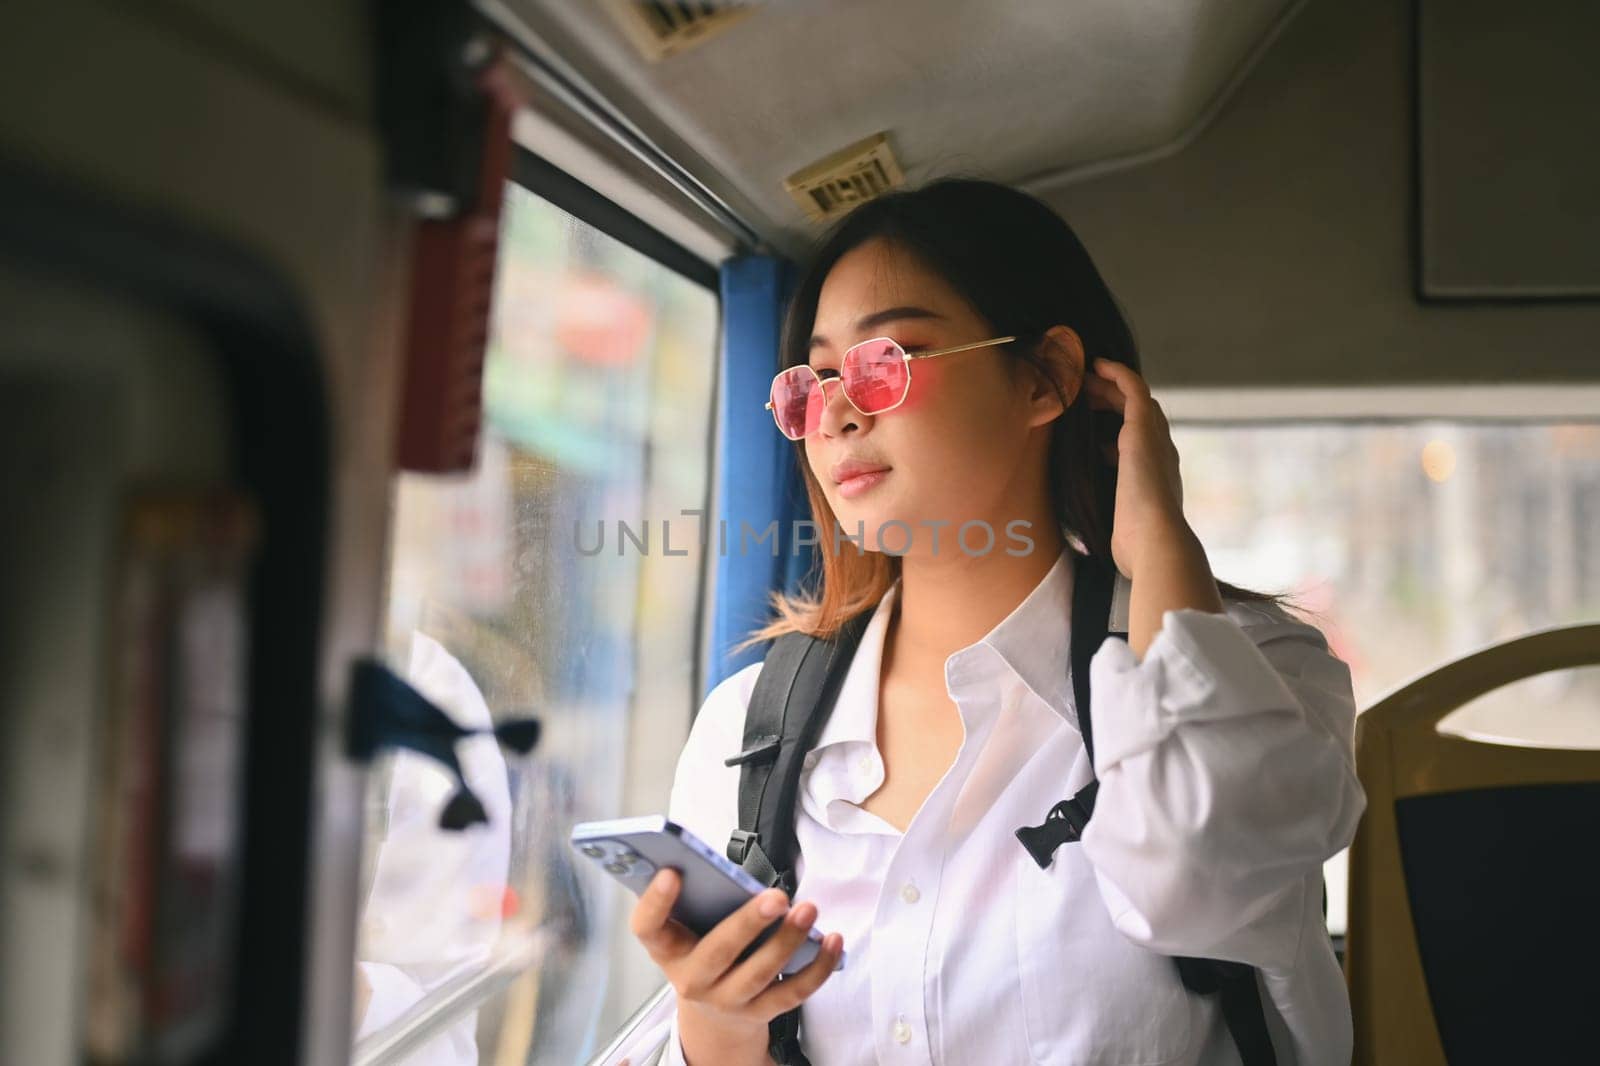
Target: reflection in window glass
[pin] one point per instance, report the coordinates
(1412, 545)
(597, 394)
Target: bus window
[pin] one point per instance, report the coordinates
(487, 944)
(1414, 544)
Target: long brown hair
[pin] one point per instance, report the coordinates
(1024, 270)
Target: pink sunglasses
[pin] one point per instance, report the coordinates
(875, 376)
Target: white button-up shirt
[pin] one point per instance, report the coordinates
(1227, 778)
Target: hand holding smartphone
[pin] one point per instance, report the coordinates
(632, 850)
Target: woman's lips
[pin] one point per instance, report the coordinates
(851, 487)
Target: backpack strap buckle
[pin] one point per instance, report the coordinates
(744, 848)
(739, 845)
(1063, 825)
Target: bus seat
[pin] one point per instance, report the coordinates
(1474, 932)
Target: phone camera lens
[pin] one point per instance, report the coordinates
(627, 857)
(594, 851)
(616, 868)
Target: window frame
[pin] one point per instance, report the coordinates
(1256, 408)
(542, 179)
(545, 180)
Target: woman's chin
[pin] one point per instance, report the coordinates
(865, 524)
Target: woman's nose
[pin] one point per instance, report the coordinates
(837, 415)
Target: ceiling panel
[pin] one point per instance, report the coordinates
(1024, 91)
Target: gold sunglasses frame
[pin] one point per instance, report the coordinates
(822, 382)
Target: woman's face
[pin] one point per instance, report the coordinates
(969, 442)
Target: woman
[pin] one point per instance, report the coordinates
(1222, 727)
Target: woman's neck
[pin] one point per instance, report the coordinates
(951, 600)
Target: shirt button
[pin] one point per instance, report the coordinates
(910, 893)
(902, 1031)
(865, 763)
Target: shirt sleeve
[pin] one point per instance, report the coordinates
(705, 792)
(674, 1055)
(1227, 777)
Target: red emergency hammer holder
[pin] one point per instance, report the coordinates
(451, 294)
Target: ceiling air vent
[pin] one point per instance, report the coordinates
(659, 30)
(853, 175)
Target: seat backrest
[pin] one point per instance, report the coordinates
(1474, 934)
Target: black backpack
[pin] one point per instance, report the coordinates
(794, 694)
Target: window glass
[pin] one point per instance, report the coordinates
(1412, 545)
(597, 398)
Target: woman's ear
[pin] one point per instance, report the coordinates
(1062, 350)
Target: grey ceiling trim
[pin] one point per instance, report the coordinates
(546, 69)
(1051, 179)
(657, 207)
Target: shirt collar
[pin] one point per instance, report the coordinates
(1035, 638)
(1034, 641)
(855, 712)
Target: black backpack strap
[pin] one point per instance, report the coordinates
(1093, 586)
(1098, 599)
(783, 1040)
(793, 697)
(1099, 609)
(764, 724)
(1246, 1016)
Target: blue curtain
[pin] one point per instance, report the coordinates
(759, 482)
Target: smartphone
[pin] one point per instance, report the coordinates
(633, 849)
